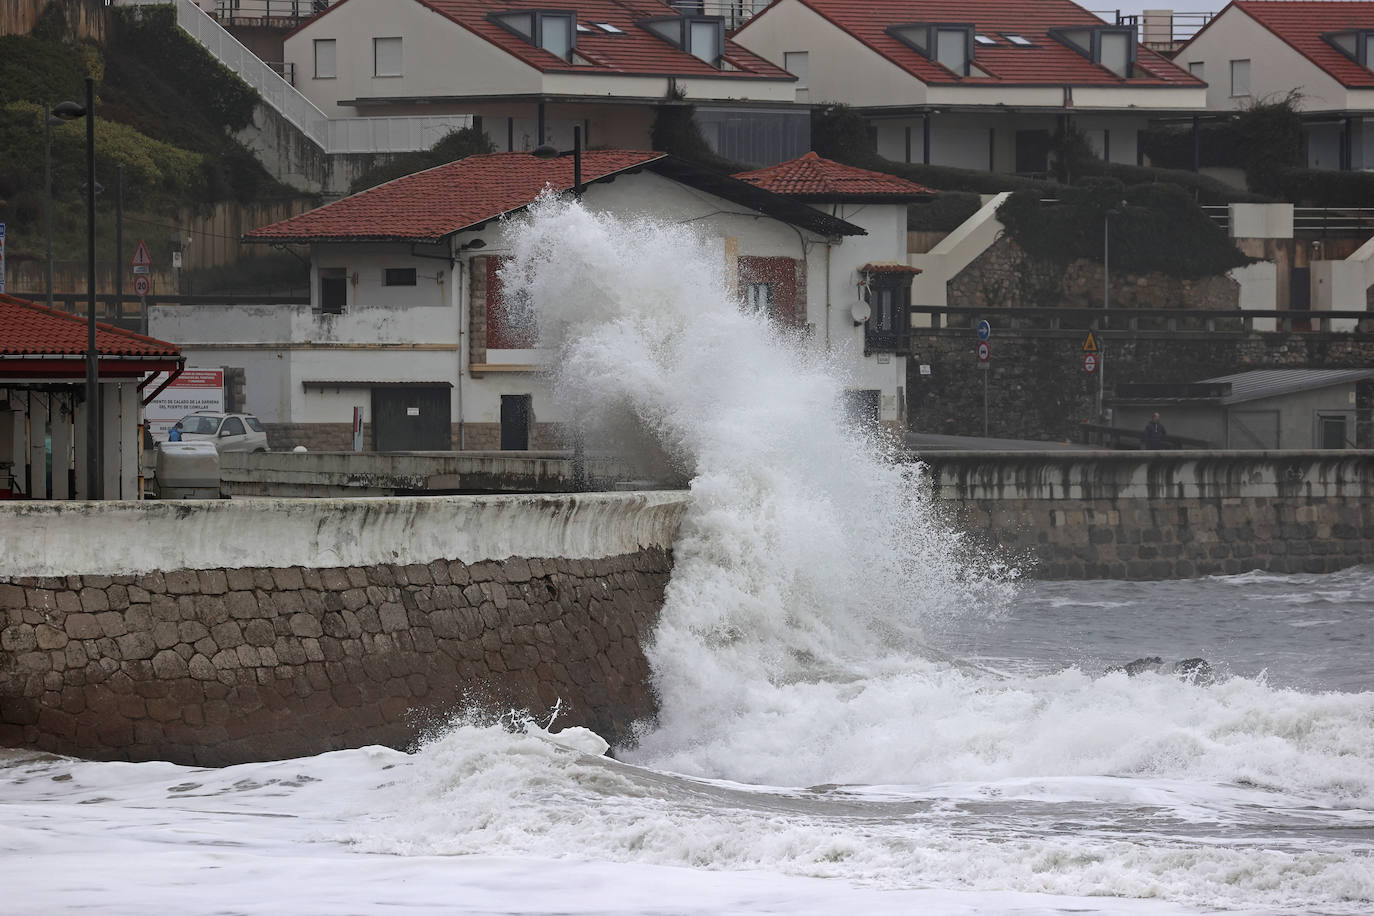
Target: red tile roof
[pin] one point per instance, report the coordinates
(30, 329)
(433, 204)
(1046, 62)
(1301, 25)
(814, 177)
(633, 50)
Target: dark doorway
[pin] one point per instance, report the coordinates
(411, 419)
(1332, 432)
(1032, 152)
(1300, 296)
(515, 422)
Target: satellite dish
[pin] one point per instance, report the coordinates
(860, 311)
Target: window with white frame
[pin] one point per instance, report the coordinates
(386, 57)
(1240, 78)
(758, 299)
(1196, 68)
(326, 60)
(797, 63)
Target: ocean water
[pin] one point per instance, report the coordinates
(859, 712)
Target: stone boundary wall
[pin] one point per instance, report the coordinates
(329, 631)
(1161, 515)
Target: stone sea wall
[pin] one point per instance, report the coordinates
(163, 655)
(1161, 515)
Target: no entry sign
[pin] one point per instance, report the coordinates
(1090, 363)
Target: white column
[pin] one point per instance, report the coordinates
(80, 446)
(61, 420)
(38, 445)
(128, 440)
(19, 450)
(120, 470)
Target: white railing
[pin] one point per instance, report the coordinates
(333, 135)
(735, 12)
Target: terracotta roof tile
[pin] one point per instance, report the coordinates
(30, 329)
(631, 50)
(433, 204)
(1045, 62)
(1302, 25)
(813, 176)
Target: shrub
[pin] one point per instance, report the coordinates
(1325, 187)
(945, 213)
(458, 144)
(1154, 227)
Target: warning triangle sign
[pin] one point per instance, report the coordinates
(1090, 343)
(141, 256)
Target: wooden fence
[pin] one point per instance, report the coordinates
(85, 18)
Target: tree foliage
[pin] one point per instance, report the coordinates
(1152, 228)
(458, 144)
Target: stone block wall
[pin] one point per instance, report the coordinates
(1161, 515)
(219, 666)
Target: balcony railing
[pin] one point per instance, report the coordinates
(282, 13)
(1056, 322)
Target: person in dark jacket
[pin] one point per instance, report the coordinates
(1154, 433)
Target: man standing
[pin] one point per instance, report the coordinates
(1154, 433)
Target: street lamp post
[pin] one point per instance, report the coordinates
(1106, 304)
(69, 111)
(48, 122)
(549, 151)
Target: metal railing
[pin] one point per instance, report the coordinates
(1160, 30)
(735, 12)
(1051, 322)
(333, 135)
(1334, 220)
(1219, 214)
(282, 12)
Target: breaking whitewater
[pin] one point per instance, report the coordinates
(858, 713)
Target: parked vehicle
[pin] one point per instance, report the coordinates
(231, 432)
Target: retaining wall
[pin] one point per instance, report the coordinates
(219, 632)
(1162, 515)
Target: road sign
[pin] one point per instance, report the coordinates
(1090, 343)
(141, 285)
(141, 257)
(1089, 363)
(984, 351)
(984, 330)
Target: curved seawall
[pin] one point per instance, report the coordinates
(222, 631)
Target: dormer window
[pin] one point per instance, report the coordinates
(948, 44)
(1353, 44)
(703, 37)
(553, 30)
(1113, 48)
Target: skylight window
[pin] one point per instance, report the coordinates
(584, 30)
(607, 27)
(1019, 40)
(985, 39)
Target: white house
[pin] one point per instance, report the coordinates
(982, 84)
(1263, 51)
(532, 71)
(868, 290)
(406, 321)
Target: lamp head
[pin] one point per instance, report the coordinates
(69, 111)
(472, 245)
(545, 151)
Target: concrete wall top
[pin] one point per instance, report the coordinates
(114, 538)
(1152, 475)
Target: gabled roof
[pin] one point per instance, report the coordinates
(31, 329)
(432, 205)
(814, 178)
(630, 49)
(1301, 25)
(1044, 61)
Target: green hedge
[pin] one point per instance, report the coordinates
(458, 144)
